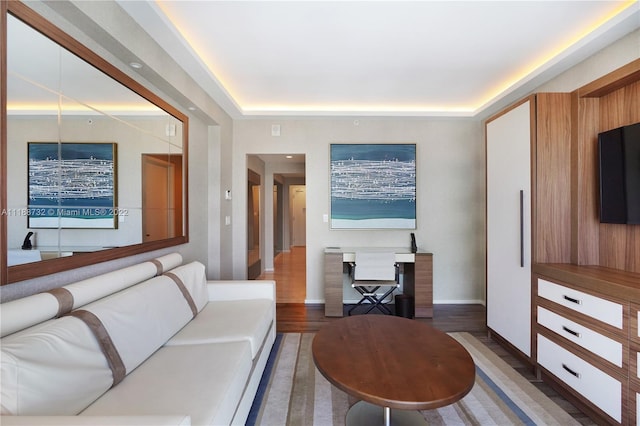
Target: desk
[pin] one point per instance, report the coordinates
(392, 362)
(416, 269)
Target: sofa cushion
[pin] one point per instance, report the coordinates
(194, 279)
(22, 313)
(232, 320)
(140, 319)
(55, 368)
(204, 381)
(94, 288)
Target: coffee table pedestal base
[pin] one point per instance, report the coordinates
(364, 413)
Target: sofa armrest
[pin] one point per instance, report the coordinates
(95, 420)
(241, 289)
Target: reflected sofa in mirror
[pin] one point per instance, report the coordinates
(64, 107)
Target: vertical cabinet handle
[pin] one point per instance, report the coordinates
(522, 228)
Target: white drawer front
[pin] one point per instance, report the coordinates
(595, 307)
(600, 345)
(598, 387)
(638, 366)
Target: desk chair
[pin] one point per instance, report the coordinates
(369, 272)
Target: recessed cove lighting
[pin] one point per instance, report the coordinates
(136, 65)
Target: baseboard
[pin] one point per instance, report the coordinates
(460, 302)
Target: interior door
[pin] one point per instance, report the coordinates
(298, 215)
(509, 226)
(157, 196)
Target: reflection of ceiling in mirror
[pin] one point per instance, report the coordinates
(43, 77)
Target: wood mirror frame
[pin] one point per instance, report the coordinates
(26, 271)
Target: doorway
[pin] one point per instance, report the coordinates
(284, 225)
(254, 261)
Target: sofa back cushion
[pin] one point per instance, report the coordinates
(140, 319)
(53, 368)
(94, 288)
(193, 277)
(22, 313)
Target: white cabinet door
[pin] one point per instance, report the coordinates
(509, 226)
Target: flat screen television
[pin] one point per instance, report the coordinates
(619, 162)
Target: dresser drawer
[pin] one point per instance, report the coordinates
(603, 310)
(634, 316)
(602, 390)
(600, 345)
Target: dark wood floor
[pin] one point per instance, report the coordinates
(299, 318)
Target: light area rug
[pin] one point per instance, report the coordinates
(293, 392)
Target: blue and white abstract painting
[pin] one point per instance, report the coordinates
(373, 186)
(72, 185)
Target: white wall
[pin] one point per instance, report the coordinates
(450, 186)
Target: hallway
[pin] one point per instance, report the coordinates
(290, 270)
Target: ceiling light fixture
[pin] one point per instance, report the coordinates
(135, 65)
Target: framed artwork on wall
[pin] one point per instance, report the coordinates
(373, 186)
(72, 185)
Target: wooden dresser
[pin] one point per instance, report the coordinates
(584, 337)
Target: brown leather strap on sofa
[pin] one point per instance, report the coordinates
(65, 300)
(184, 291)
(106, 344)
(159, 267)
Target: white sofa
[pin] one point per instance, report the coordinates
(151, 344)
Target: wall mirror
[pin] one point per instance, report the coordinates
(96, 164)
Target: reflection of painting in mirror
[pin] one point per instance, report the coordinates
(373, 186)
(72, 185)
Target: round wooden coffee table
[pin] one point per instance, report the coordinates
(392, 363)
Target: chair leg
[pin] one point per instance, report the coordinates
(369, 294)
(365, 292)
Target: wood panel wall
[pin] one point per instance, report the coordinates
(620, 244)
(553, 178)
(584, 230)
(607, 103)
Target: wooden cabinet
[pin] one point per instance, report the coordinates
(526, 145)
(582, 341)
(509, 225)
(634, 364)
(585, 281)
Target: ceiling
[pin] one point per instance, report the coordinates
(386, 58)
